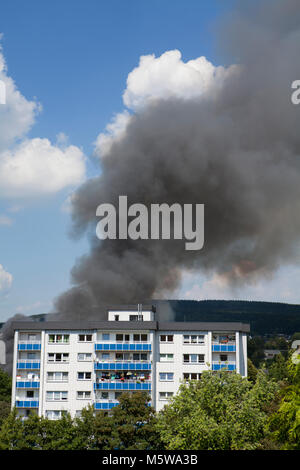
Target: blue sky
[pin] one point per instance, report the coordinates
(73, 57)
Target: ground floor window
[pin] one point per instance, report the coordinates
(165, 395)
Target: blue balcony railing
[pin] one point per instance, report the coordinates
(28, 364)
(27, 404)
(123, 347)
(105, 405)
(27, 384)
(29, 346)
(223, 347)
(223, 365)
(130, 385)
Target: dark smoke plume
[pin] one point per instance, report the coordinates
(235, 150)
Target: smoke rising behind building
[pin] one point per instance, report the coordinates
(232, 144)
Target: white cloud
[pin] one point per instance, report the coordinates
(114, 131)
(5, 279)
(168, 76)
(162, 77)
(32, 167)
(18, 114)
(36, 167)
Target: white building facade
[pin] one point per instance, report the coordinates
(64, 366)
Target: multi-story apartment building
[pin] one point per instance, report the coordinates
(64, 366)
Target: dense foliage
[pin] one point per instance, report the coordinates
(131, 425)
(285, 422)
(221, 411)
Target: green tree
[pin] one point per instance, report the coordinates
(278, 368)
(11, 432)
(86, 430)
(5, 386)
(252, 371)
(284, 424)
(60, 434)
(103, 430)
(256, 348)
(130, 425)
(222, 411)
(4, 411)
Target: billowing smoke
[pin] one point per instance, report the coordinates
(229, 139)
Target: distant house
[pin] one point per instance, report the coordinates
(271, 353)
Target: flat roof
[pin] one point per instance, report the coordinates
(131, 308)
(206, 326)
(131, 325)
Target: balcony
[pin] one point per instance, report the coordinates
(29, 346)
(30, 364)
(123, 346)
(122, 365)
(27, 403)
(130, 385)
(224, 365)
(223, 347)
(105, 404)
(27, 384)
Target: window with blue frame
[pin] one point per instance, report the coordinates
(166, 376)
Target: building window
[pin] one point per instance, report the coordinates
(193, 339)
(84, 356)
(140, 338)
(165, 395)
(117, 317)
(166, 338)
(31, 355)
(56, 396)
(105, 356)
(29, 393)
(122, 356)
(55, 414)
(104, 395)
(223, 357)
(59, 339)
(192, 376)
(135, 317)
(85, 338)
(84, 395)
(31, 337)
(57, 376)
(58, 357)
(84, 375)
(140, 357)
(193, 358)
(121, 338)
(105, 336)
(166, 357)
(166, 376)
